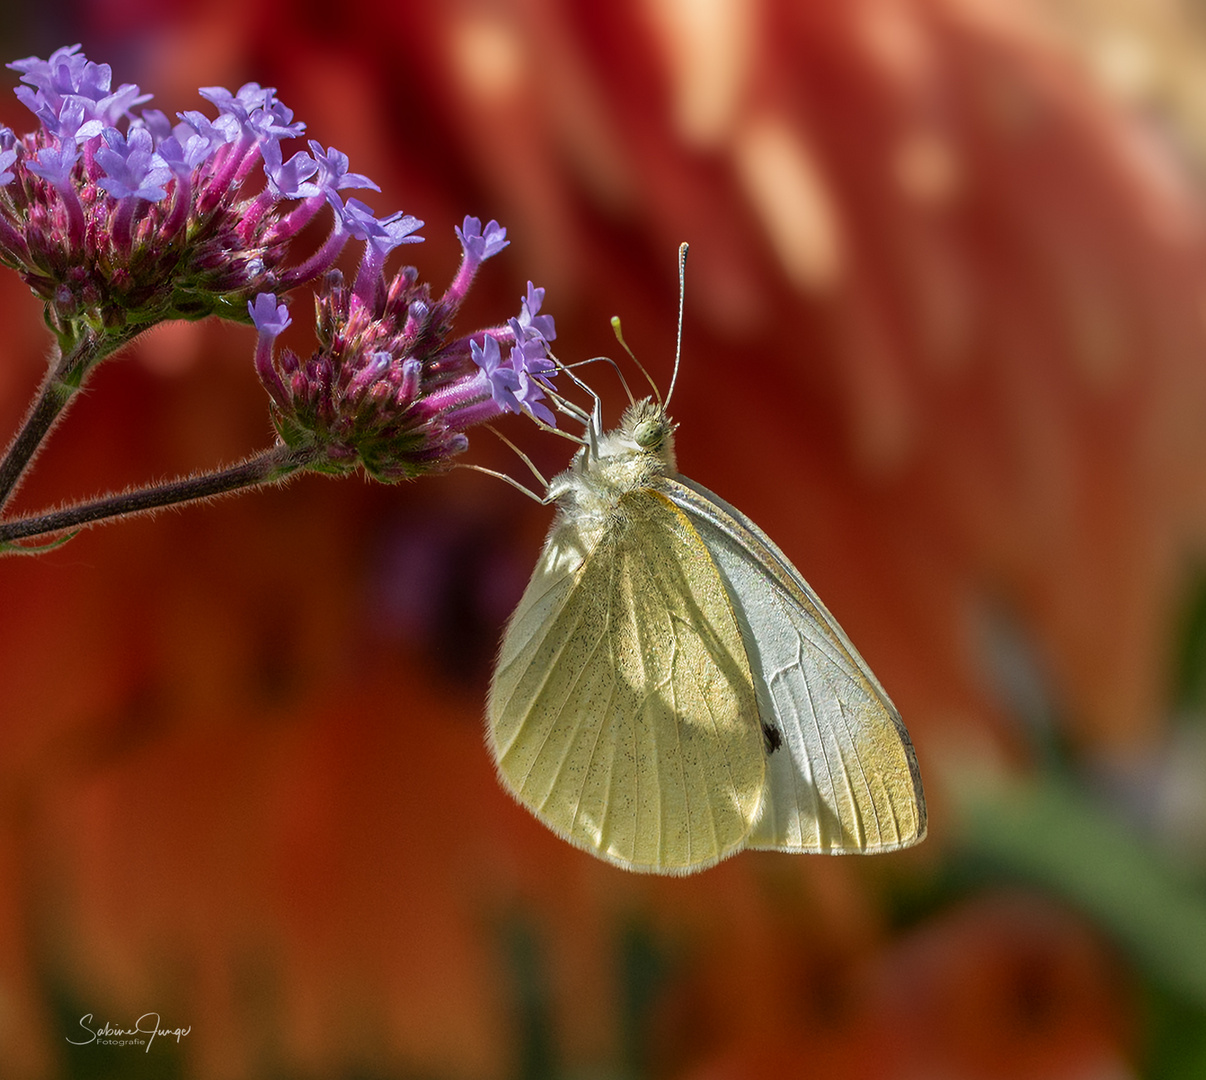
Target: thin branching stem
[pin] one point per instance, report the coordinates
(271, 466)
(63, 378)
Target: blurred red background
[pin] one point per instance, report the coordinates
(944, 340)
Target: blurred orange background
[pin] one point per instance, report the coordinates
(945, 340)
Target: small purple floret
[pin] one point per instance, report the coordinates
(383, 235)
(479, 246)
(249, 97)
(530, 395)
(54, 164)
(504, 381)
(132, 167)
(289, 179)
(68, 90)
(268, 317)
(532, 324)
(333, 172)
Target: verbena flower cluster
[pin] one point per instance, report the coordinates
(387, 388)
(116, 219)
(119, 218)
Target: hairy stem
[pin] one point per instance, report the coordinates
(267, 467)
(63, 379)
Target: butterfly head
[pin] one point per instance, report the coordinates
(646, 431)
(629, 456)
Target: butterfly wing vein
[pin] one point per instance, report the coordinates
(845, 777)
(623, 712)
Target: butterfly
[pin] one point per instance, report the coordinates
(670, 690)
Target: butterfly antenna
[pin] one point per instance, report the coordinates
(683, 248)
(614, 366)
(619, 333)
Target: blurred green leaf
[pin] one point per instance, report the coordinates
(1176, 1038)
(1049, 831)
(643, 972)
(531, 1002)
(1190, 674)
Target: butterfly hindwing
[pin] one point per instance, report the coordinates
(841, 772)
(623, 710)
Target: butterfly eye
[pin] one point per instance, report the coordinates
(649, 434)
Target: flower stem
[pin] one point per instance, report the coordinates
(271, 466)
(62, 380)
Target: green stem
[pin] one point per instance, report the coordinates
(267, 467)
(59, 386)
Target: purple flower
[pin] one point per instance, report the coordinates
(530, 355)
(140, 220)
(54, 164)
(381, 235)
(479, 246)
(268, 317)
(64, 69)
(530, 395)
(68, 89)
(515, 384)
(121, 221)
(530, 360)
(254, 113)
(333, 172)
(8, 155)
(199, 124)
(74, 122)
(157, 122)
(240, 105)
(113, 107)
(197, 138)
(532, 324)
(289, 179)
(504, 381)
(389, 390)
(132, 167)
(174, 156)
(476, 247)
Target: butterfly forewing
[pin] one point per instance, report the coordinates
(623, 710)
(843, 776)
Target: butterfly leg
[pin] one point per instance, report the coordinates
(521, 455)
(504, 477)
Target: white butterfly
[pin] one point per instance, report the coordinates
(670, 690)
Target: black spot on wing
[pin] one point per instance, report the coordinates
(771, 737)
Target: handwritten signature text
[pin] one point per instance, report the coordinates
(146, 1029)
